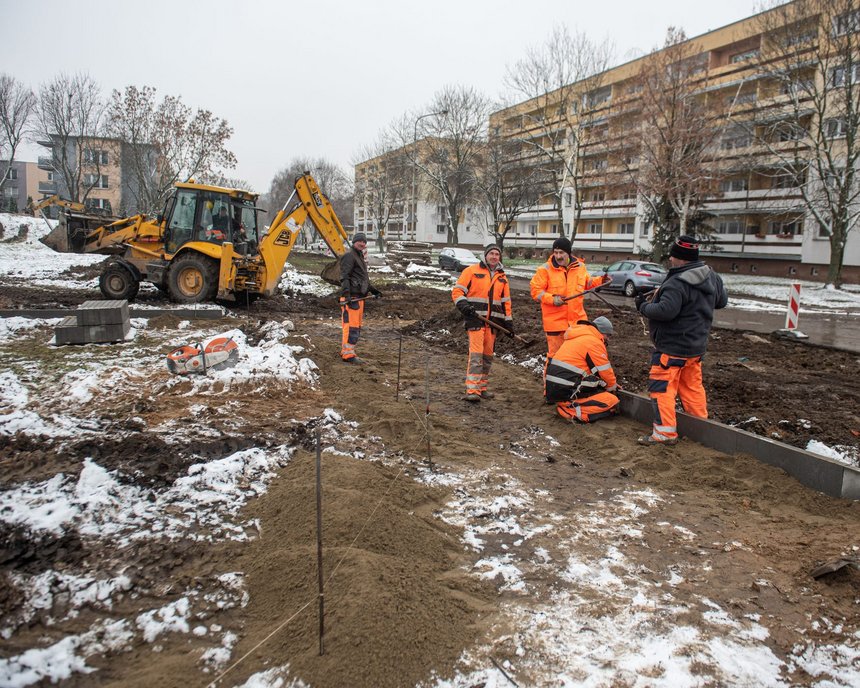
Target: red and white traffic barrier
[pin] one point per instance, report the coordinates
(793, 306)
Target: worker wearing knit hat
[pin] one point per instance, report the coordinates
(482, 294)
(680, 314)
(557, 286)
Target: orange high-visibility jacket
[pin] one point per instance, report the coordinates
(583, 353)
(491, 296)
(553, 280)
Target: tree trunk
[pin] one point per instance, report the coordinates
(837, 254)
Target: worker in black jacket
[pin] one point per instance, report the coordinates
(355, 284)
(680, 314)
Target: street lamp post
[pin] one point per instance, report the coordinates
(412, 207)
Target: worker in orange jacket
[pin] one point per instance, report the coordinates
(579, 378)
(562, 275)
(483, 289)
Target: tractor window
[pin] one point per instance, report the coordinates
(216, 222)
(181, 226)
(247, 228)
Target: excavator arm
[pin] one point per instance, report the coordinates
(311, 205)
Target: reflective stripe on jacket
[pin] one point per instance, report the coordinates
(489, 294)
(582, 355)
(550, 280)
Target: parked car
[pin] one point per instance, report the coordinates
(456, 258)
(632, 277)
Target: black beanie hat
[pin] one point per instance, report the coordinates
(491, 247)
(685, 248)
(563, 243)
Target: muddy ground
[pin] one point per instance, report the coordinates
(402, 605)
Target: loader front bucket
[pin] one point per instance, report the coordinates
(58, 239)
(331, 273)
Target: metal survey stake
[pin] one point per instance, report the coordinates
(427, 409)
(319, 544)
(399, 357)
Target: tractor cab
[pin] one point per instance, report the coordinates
(213, 215)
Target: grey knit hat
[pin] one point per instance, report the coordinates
(603, 325)
(491, 247)
(359, 236)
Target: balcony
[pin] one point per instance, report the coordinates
(45, 162)
(48, 187)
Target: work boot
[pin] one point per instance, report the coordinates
(487, 395)
(355, 360)
(472, 398)
(650, 440)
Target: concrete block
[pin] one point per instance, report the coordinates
(102, 312)
(69, 332)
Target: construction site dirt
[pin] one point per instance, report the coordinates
(403, 605)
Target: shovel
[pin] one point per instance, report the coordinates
(593, 290)
(522, 340)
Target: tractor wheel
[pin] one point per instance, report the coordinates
(629, 289)
(117, 282)
(192, 278)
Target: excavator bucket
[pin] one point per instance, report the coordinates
(331, 273)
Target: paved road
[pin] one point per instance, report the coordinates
(836, 330)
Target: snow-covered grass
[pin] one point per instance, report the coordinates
(31, 262)
(812, 294)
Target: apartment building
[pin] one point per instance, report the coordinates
(754, 207)
(25, 180)
(395, 201)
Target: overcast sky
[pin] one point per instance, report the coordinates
(316, 78)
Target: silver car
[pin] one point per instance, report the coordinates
(634, 276)
(451, 258)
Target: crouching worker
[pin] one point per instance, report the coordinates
(579, 378)
(483, 290)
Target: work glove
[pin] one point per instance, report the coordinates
(509, 326)
(467, 309)
(376, 293)
(557, 300)
(638, 300)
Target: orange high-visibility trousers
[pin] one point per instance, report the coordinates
(352, 315)
(589, 409)
(671, 377)
(481, 346)
(554, 340)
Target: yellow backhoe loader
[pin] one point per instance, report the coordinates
(207, 243)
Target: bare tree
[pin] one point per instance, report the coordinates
(165, 142)
(810, 61)
(69, 116)
(566, 100)
(507, 186)
(332, 180)
(445, 149)
(17, 104)
(681, 128)
(382, 182)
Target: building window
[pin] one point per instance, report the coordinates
(625, 228)
(598, 195)
(533, 230)
(12, 175)
(96, 181)
(785, 228)
(742, 98)
(744, 56)
(595, 227)
(441, 229)
(836, 128)
(736, 137)
(730, 226)
(839, 74)
(566, 228)
(736, 184)
(849, 22)
(787, 180)
(554, 229)
(643, 230)
(822, 231)
(568, 199)
(95, 157)
(97, 204)
(799, 39)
